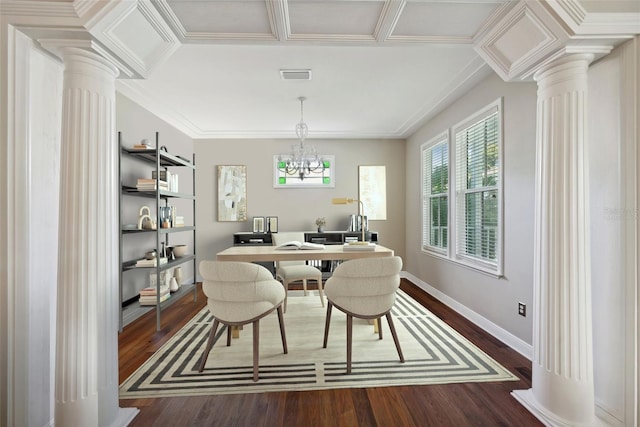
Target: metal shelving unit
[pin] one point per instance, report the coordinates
(162, 161)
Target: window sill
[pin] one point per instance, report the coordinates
(461, 263)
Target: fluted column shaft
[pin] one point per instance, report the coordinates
(562, 369)
(87, 317)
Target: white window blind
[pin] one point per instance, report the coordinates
(478, 213)
(435, 197)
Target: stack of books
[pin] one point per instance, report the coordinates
(359, 246)
(149, 184)
(148, 296)
(142, 147)
(150, 262)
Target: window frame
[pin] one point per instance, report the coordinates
(452, 252)
(426, 195)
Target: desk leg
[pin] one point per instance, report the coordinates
(375, 324)
(235, 331)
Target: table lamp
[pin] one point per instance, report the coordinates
(346, 201)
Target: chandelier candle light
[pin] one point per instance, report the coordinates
(302, 160)
(346, 201)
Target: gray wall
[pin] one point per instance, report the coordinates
(296, 209)
(490, 297)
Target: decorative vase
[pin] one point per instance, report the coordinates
(321, 229)
(174, 285)
(177, 274)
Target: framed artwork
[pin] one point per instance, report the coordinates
(372, 191)
(272, 224)
(232, 193)
(323, 178)
(258, 224)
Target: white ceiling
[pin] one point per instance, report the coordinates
(379, 68)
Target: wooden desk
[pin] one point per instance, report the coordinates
(270, 253)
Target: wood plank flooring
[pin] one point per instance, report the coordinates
(459, 405)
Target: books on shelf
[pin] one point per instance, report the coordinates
(142, 147)
(149, 184)
(148, 296)
(179, 221)
(150, 262)
(152, 300)
(170, 178)
(295, 245)
(359, 246)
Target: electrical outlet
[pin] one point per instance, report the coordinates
(522, 309)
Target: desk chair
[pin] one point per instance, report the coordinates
(239, 293)
(295, 271)
(366, 289)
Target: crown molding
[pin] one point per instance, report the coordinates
(170, 115)
(38, 9)
(146, 100)
(469, 76)
(581, 22)
(171, 19)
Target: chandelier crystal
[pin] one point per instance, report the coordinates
(302, 160)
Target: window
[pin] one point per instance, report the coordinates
(435, 196)
(478, 188)
(471, 208)
(324, 178)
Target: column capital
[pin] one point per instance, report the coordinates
(564, 66)
(531, 34)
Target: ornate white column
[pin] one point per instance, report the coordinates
(87, 316)
(562, 390)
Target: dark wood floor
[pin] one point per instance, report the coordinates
(471, 404)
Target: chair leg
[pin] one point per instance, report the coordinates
(395, 336)
(229, 330)
(304, 286)
(286, 293)
(349, 341)
(282, 333)
(320, 291)
(326, 324)
(256, 348)
(379, 321)
(210, 341)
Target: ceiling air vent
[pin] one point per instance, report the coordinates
(295, 74)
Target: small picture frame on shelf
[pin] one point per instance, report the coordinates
(272, 224)
(164, 280)
(258, 224)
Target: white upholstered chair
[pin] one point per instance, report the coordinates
(366, 289)
(295, 271)
(239, 293)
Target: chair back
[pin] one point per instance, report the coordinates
(239, 291)
(280, 238)
(365, 286)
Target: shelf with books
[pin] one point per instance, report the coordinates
(155, 174)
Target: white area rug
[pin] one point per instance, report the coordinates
(434, 354)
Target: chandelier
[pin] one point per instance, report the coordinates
(302, 160)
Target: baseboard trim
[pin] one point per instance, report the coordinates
(496, 331)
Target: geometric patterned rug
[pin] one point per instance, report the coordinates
(434, 354)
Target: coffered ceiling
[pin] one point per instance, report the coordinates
(379, 69)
